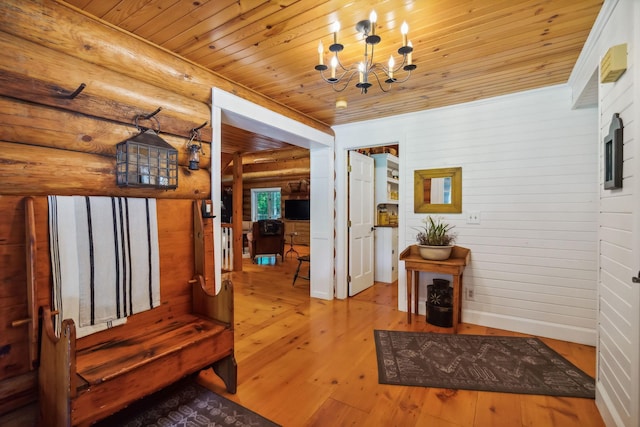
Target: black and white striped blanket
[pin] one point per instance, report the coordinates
(104, 257)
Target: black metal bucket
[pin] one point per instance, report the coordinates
(440, 303)
(440, 316)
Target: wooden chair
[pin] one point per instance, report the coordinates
(266, 238)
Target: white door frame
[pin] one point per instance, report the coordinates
(239, 112)
(350, 137)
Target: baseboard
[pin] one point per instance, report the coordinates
(532, 327)
(321, 295)
(605, 407)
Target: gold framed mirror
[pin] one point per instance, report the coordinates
(437, 190)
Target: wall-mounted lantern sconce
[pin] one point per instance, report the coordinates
(194, 157)
(194, 146)
(146, 160)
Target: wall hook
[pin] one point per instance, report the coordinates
(76, 92)
(199, 127)
(147, 117)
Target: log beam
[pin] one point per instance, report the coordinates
(35, 124)
(33, 73)
(40, 171)
(63, 28)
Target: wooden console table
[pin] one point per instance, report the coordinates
(454, 265)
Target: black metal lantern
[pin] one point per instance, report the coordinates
(146, 160)
(194, 146)
(194, 157)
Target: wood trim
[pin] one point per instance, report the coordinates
(237, 189)
(32, 283)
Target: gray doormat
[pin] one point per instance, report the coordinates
(186, 403)
(475, 362)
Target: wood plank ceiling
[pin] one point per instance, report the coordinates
(464, 50)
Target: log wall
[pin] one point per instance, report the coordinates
(53, 143)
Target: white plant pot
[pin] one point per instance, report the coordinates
(434, 253)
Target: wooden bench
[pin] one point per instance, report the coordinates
(84, 380)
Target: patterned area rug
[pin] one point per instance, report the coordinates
(185, 404)
(473, 362)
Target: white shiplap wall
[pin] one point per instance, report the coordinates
(529, 166)
(618, 375)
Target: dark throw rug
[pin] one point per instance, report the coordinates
(473, 362)
(185, 403)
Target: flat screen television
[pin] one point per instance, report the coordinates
(296, 209)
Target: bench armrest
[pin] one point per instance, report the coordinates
(217, 307)
(57, 371)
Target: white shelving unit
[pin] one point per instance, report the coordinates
(386, 181)
(386, 235)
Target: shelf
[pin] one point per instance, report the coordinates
(385, 184)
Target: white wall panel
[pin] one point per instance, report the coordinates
(530, 167)
(618, 374)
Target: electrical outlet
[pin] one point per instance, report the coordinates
(473, 217)
(470, 294)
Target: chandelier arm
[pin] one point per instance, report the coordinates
(400, 67)
(382, 67)
(379, 83)
(323, 77)
(405, 79)
(337, 79)
(345, 69)
(346, 84)
(334, 84)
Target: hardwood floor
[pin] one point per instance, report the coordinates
(309, 362)
(304, 361)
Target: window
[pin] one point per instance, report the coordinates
(265, 203)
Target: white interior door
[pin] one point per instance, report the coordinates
(361, 235)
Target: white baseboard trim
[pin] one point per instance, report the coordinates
(321, 295)
(607, 408)
(532, 327)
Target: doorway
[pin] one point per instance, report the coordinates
(235, 111)
(385, 209)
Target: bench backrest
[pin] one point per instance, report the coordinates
(176, 243)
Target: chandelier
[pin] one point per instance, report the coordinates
(368, 70)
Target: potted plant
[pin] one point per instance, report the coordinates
(435, 239)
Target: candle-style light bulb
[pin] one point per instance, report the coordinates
(361, 69)
(320, 53)
(335, 28)
(334, 64)
(409, 55)
(392, 64)
(373, 17)
(404, 29)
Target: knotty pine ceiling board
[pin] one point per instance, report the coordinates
(465, 50)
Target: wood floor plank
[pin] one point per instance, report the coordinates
(498, 410)
(310, 362)
(456, 407)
